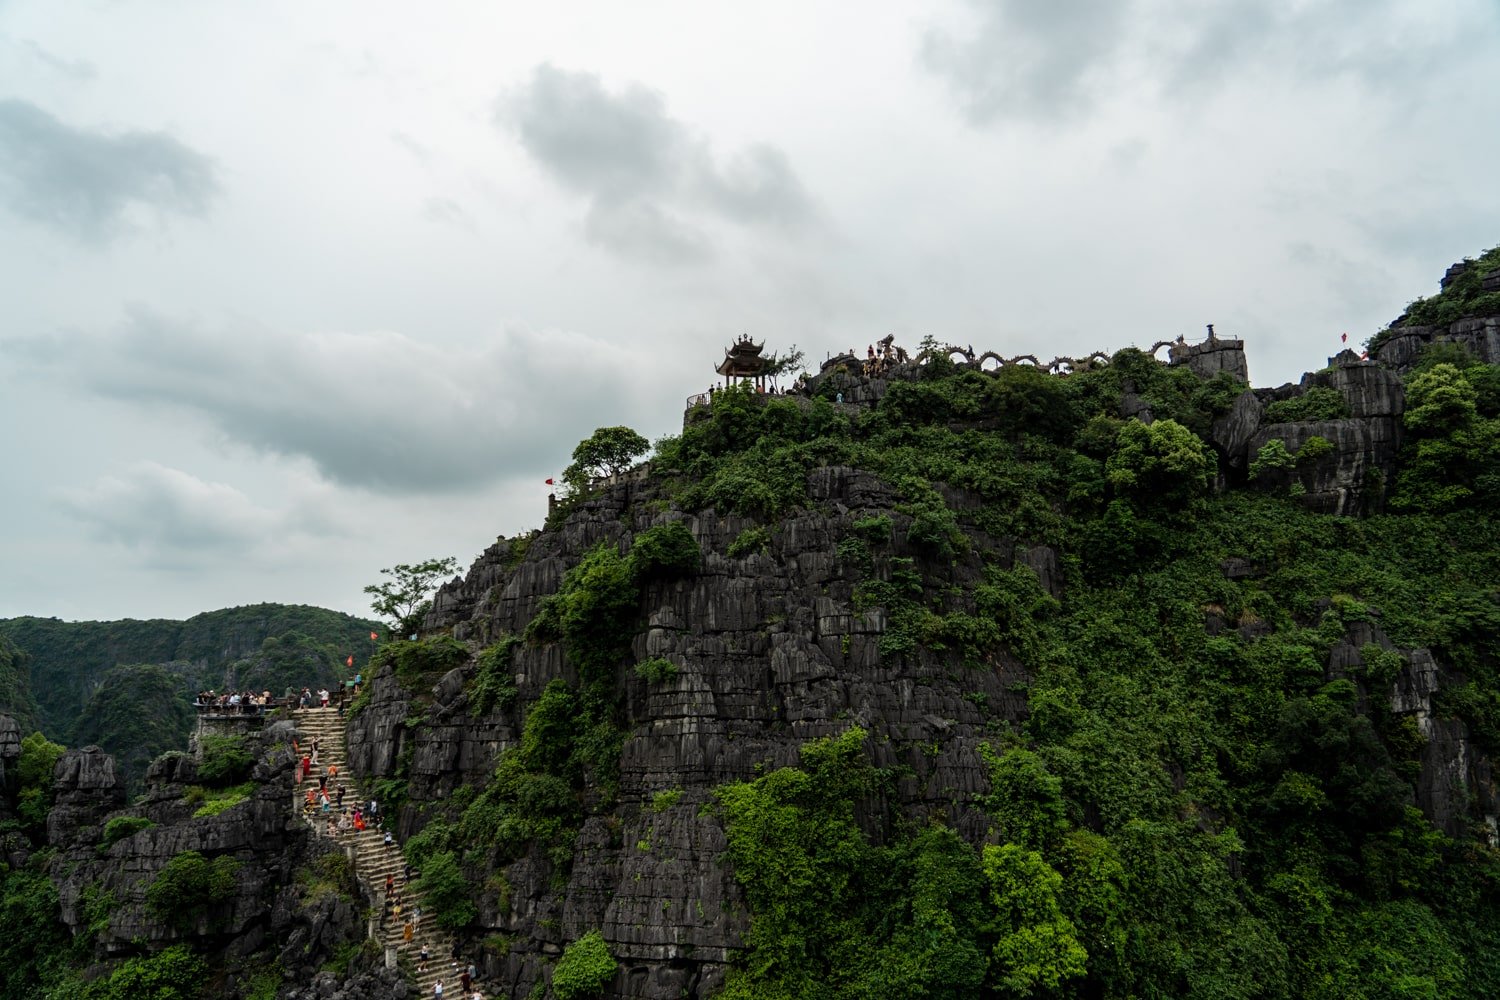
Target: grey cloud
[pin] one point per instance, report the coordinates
(1046, 62)
(653, 185)
(1026, 58)
(83, 183)
(376, 410)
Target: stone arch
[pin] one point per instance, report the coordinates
(1025, 359)
(1158, 346)
(989, 356)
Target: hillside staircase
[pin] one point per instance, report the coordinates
(373, 861)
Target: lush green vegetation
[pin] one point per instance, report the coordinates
(585, 968)
(215, 801)
(1463, 297)
(656, 670)
(420, 663)
(749, 542)
(120, 827)
(190, 888)
(223, 760)
(173, 973)
(138, 713)
(35, 949)
(1320, 402)
(494, 681)
(1452, 451)
(35, 768)
(16, 699)
(1189, 810)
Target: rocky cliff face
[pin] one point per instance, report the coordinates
(266, 920)
(1350, 479)
(770, 651)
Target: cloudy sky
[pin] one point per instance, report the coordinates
(296, 291)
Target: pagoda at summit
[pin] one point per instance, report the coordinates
(744, 360)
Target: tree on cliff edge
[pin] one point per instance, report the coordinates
(405, 599)
(609, 451)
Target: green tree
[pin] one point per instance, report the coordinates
(1449, 456)
(190, 887)
(585, 968)
(609, 451)
(1160, 462)
(406, 598)
(446, 890)
(1038, 948)
(38, 759)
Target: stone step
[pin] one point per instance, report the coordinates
(373, 861)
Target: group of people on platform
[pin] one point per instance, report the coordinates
(233, 702)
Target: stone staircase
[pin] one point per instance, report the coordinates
(373, 861)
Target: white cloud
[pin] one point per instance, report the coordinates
(172, 519)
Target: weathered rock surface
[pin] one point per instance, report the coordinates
(1353, 478)
(772, 649)
(1480, 336)
(267, 917)
(88, 787)
(1213, 356)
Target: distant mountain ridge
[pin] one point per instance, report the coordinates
(126, 685)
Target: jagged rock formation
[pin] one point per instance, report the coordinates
(1353, 477)
(264, 916)
(10, 755)
(770, 651)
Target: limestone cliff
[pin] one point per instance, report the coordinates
(772, 646)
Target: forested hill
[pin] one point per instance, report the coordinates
(938, 680)
(127, 685)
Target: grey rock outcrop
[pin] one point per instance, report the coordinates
(1354, 476)
(1213, 356)
(87, 787)
(771, 649)
(266, 918)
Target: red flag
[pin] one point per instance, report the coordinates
(549, 482)
(349, 662)
(1344, 337)
(374, 636)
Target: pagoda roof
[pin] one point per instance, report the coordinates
(743, 360)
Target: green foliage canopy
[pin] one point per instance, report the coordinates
(585, 968)
(406, 597)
